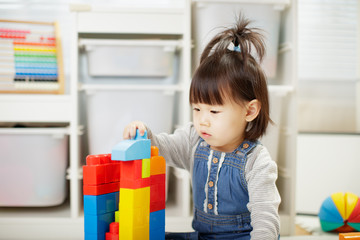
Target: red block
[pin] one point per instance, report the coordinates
(100, 169)
(157, 179)
(101, 189)
(113, 233)
(98, 159)
(157, 192)
(94, 174)
(130, 170)
(135, 184)
(157, 206)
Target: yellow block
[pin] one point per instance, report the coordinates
(146, 168)
(117, 215)
(134, 217)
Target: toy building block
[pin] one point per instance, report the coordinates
(157, 192)
(134, 211)
(98, 224)
(157, 181)
(95, 205)
(100, 169)
(113, 234)
(132, 172)
(349, 236)
(101, 189)
(138, 148)
(157, 225)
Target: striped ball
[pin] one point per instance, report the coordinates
(340, 213)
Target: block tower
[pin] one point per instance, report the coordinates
(132, 177)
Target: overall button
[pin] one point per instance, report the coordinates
(211, 184)
(245, 145)
(210, 206)
(215, 160)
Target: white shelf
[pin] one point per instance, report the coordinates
(142, 87)
(34, 108)
(96, 19)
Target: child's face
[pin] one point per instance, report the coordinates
(221, 126)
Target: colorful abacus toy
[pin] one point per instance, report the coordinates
(30, 58)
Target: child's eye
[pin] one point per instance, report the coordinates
(196, 109)
(214, 111)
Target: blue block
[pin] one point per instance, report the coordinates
(100, 204)
(157, 219)
(157, 234)
(92, 236)
(134, 149)
(98, 224)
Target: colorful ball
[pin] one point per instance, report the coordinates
(340, 213)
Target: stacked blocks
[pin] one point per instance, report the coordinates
(340, 213)
(139, 173)
(142, 189)
(101, 194)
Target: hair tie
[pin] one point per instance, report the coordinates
(237, 49)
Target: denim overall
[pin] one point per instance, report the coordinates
(220, 194)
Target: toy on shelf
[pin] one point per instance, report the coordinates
(124, 192)
(31, 57)
(340, 213)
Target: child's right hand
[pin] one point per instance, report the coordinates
(130, 130)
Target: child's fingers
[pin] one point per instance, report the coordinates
(130, 130)
(126, 133)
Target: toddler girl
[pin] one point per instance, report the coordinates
(233, 175)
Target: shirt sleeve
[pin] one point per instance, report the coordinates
(176, 148)
(264, 198)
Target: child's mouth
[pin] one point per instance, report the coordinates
(205, 135)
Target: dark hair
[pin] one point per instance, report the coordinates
(226, 73)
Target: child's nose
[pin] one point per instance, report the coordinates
(204, 122)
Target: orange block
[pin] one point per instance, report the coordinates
(157, 165)
(154, 151)
(350, 236)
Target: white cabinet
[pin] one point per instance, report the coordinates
(125, 53)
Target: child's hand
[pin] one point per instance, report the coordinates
(130, 130)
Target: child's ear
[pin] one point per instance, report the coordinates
(253, 108)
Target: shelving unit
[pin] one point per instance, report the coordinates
(49, 110)
(167, 27)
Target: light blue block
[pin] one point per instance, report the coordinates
(100, 204)
(134, 149)
(157, 219)
(98, 224)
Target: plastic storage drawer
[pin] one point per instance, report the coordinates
(33, 166)
(212, 17)
(109, 111)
